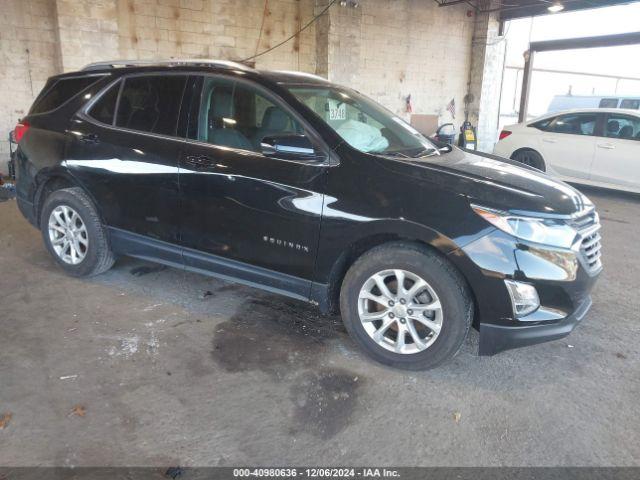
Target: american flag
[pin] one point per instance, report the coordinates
(451, 108)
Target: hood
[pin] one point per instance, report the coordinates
(504, 184)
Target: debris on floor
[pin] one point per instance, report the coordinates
(7, 191)
(174, 472)
(144, 270)
(457, 416)
(78, 411)
(69, 377)
(5, 419)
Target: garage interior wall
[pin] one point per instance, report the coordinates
(387, 49)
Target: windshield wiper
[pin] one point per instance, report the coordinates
(395, 154)
(426, 152)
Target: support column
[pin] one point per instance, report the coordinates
(485, 78)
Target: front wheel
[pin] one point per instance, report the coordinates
(73, 233)
(406, 306)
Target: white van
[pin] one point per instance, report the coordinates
(570, 102)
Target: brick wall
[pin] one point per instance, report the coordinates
(387, 49)
(93, 30)
(28, 55)
(390, 49)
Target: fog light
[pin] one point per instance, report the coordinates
(524, 298)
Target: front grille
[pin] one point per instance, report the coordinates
(584, 222)
(588, 226)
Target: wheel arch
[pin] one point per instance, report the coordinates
(51, 180)
(530, 149)
(414, 235)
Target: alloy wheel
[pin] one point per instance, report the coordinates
(400, 311)
(68, 235)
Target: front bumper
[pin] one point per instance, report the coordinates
(561, 277)
(498, 338)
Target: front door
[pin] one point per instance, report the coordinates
(568, 145)
(245, 214)
(617, 162)
(125, 147)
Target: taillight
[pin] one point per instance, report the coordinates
(504, 134)
(20, 130)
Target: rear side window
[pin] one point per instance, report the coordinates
(105, 108)
(630, 103)
(59, 92)
(608, 103)
(151, 103)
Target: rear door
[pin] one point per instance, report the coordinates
(125, 148)
(617, 160)
(568, 144)
(246, 214)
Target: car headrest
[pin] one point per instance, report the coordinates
(626, 132)
(613, 126)
(275, 119)
(222, 103)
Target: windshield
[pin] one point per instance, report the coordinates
(362, 123)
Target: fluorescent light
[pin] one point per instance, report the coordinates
(556, 7)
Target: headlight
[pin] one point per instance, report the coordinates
(547, 231)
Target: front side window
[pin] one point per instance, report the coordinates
(239, 116)
(59, 92)
(622, 126)
(608, 103)
(575, 124)
(362, 123)
(151, 103)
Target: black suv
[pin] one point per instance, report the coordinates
(286, 182)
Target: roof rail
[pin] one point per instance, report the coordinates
(170, 62)
(302, 74)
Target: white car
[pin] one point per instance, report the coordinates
(599, 146)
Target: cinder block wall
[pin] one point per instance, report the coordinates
(29, 54)
(93, 30)
(391, 49)
(387, 49)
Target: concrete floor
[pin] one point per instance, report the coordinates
(147, 365)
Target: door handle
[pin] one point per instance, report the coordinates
(199, 161)
(608, 146)
(89, 138)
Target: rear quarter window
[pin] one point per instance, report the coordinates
(58, 92)
(105, 108)
(633, 104)
(543, 124)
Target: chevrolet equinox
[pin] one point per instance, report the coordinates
(289, 183)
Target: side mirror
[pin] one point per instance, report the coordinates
(292, 146)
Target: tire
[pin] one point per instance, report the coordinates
(530, 158)
(445, 284)
(96, 254)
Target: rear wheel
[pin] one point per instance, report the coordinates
(530, 158)
(73, 233)
(406, 306)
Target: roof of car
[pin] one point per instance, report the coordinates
(591, 110)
